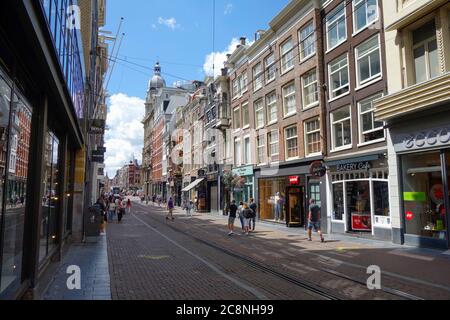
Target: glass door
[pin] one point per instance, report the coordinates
(294, 207)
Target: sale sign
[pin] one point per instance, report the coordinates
(361, 222)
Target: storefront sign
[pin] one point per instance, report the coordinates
(428, 138)
(244, 171)
(357, 166)
(294, 180)
(318, 169)
(415, 196)
(409, 216)
(361, 222)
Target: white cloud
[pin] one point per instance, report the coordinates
(171, 23)
(218, 58)
(125, 135)
(228, 8)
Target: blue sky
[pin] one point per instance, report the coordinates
(179, 34)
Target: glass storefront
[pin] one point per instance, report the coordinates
(245, 191)
(361, 198)
(424, 194)
(50, 200)
(15, 133)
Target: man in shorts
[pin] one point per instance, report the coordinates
(232, 217)
(314, 220)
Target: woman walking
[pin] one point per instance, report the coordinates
(170, 206)
(247, 214)
(111, 211)
(241, 217)
(129, 206)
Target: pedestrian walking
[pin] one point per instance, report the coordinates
(314, 220)
(232, 217)
(170, 206)
(247, 214)
(254, 208)
(129, 206)
(111, 211)
(159, 201)
(241, 217)
(189, 205)
(120, 211)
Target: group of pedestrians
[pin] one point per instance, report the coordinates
(247, 216)
(113, 207)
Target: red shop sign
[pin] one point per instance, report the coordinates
(409, 216)
(294, 180)
(361, 222)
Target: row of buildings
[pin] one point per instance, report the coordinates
(53, 59)
(127, 178)
(345, 102)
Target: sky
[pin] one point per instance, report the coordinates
(179, 34)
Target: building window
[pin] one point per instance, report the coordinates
(365, 13)
(237, 118)
(247, 151)
(270, 67)
(338, 202)
(425, 53)
(287, 56)
(244, 82)
(291, 143)
(272, 108)
(310, 89)
(307, 41)
(236, 91)
(245, 116)
(274, 149)
(289, 101)
(261, 149)
(336, 27)
(312, 137)
(237, 152)
(339, 79)
(368, 61)
(258, 76)
(370, 129)
(259, 113)
(341, 128)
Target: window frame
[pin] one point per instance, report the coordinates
(360, 122)
(425, 43)
(271, 105)
(302, 41)
(269, 67)
(259, 146)
(316, 82)
(333, 135)
(287, 96)
(270, 144)
(247, 156)
(336, 18)
(284, 54)
(330, 74)
(308, 133)
(373, 78)
(237, 128)
(287, 139)
(237, 160)
(258, 76)
(245, 105)
(355, 3)
(260, 109)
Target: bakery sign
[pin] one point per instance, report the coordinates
(356, 166)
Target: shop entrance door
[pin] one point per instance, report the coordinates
(294, 207)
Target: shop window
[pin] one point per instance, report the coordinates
(314, 192)
(272, 199)
(51, 199)
(381, 198)
(370, 129)
(307, 36)
(339, 77)
(425, 53)
(359, 207)
(336, 26)
(423, 195)
(368, 61)
(338, 201)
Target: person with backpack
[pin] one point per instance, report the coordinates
(247, 213)
(232, 217)
(241, 217)
(170, 207)
(254, 207)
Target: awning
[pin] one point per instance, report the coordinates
(193, 185)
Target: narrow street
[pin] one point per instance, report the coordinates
(194, 259)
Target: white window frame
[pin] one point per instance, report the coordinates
(424, 43)
(360, 122)
(288, 96)
(270, 106)
(368, 23)
(284, 64)
(302, 41)
(247, 155)
(235, 85)
(339, 70)
(270, 144)
(307, 133)
(259, 147)
(333, 123)
(268, 67)
(316, 82)
(287, 139)
(237, 128)
(244, 84)
(258, 77)
(336, 18)
(259, 109)
(375, 77)
(237, 156)
(243, 106)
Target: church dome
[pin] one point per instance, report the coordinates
(157, 81)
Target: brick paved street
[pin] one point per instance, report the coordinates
(151, 258)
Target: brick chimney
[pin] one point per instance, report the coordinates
(243, 41)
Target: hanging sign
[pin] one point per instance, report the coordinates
(318, 169)
(294, 180)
